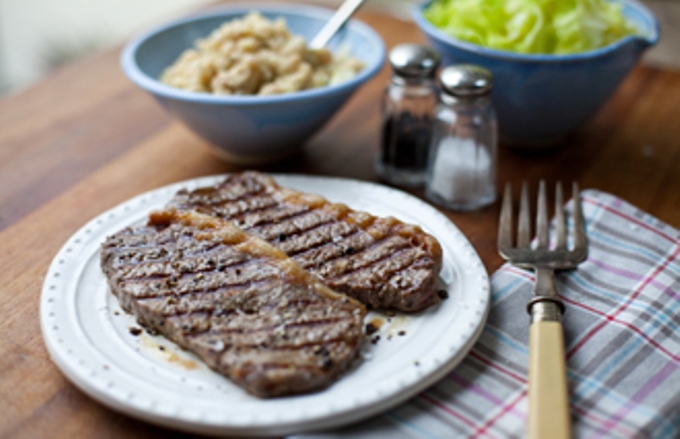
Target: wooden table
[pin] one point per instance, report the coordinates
(85, 139)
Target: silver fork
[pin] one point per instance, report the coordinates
(548, 394)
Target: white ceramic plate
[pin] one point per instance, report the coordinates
(148, 377)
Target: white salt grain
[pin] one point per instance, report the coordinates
(462, 171)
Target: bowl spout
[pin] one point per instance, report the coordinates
(645, 21)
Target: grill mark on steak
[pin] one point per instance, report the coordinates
(339, 262)
(233, 321)
(243, 207)
(295, 225)
(385, 267)
(252, 314)
(272, 216)
(237, 191)
(315, 238)
(132, 254)
(270, 226)
(312, 345)
(205, 279)
(168, 303)
(302, 225)
(299, 359)
(316, 257)
(293, 331)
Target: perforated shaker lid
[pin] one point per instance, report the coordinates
(414, 61)
(466, 80)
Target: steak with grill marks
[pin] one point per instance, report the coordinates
(381, 262)
(245, 308)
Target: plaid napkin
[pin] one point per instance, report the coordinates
(622, 341)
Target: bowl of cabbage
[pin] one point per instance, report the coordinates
(554, 63)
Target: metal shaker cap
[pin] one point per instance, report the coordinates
(414, 61)
(466, 80)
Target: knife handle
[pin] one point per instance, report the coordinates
(548, 393)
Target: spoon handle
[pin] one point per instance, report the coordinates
(341, 16)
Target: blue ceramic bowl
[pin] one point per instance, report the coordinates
(539, 99)
(250, 129)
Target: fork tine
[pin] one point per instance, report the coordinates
(524, 224)
(542, 217)
(580, 239)
(560, 220)
(505, 226)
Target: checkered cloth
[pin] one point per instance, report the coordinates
(622, 341)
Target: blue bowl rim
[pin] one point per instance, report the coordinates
(436, 33)
(153, 85)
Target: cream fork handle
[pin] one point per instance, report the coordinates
(548, 391)
(548, 394)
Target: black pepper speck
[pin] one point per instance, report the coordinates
(326, 363)
(371, 329)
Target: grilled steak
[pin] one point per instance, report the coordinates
(381, 262)
(245, 308)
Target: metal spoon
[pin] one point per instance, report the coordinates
(344, 12)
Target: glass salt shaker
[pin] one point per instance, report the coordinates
(461, 172)
(408, 104)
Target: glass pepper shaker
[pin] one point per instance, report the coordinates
(408, 104)
(461, 172)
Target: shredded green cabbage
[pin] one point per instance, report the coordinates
(532, 26)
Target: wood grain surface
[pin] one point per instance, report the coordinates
(86, 139)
